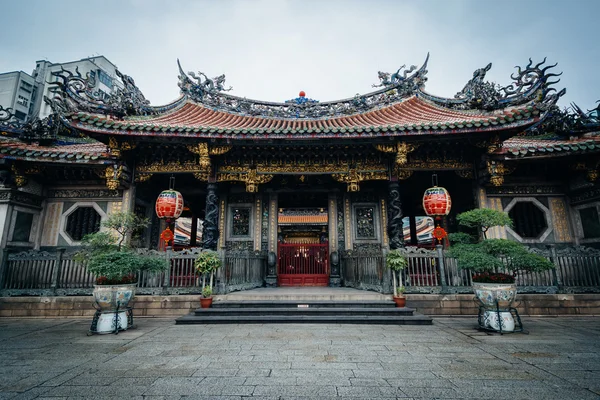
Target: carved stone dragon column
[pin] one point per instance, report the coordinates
(210, 231)
(394, 227)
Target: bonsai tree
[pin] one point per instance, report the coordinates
(487, 257)
(396, 261)
(110, 258)
(207, 262)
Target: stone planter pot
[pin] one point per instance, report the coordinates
(111, 297)
(495, 296)
(496, 299)
(112, 302)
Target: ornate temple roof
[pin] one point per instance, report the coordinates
(398, 107)
(521, 147)
(413, 116)
(92, 153)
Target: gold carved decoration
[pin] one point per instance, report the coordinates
(112, 175)
(497, 171)
(218, 150)
(592, 175)
(142, 177)
(438, 164)
(20, 179)
(301, 168)
(353, 178)
(116, 147)
(401, 149)
(386, 148)
(491, 145)
(404, 173)
(465, 173)
(251, 178)
(174, 166)
(201, 149)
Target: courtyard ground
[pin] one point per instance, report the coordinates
(53, 358)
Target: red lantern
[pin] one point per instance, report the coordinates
(169, 204)
(436, 201)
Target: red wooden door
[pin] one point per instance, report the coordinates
(303, 265)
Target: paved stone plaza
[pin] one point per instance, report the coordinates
(53, 358)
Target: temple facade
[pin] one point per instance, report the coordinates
(302, 192)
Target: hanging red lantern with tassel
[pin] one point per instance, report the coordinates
(169, 204)
(436, 200)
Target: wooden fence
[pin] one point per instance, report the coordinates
(577, 270)
(45, 273)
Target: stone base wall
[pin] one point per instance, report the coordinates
(175, 306)
(81, 306)
(527, 304)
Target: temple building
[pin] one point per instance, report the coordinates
(303, 192)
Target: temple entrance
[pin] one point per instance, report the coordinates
(302, 240)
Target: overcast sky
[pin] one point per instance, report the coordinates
(270, 50)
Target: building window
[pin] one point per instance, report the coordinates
(365, 223)
(529, 220)
(590, 222)
(28, 87)
(82, 221)
(23, 224)
(240, 222)
(105, 79)
(20, 115)
(24, 101)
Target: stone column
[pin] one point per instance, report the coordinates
(271, 278)
(210, 231)
(396, 236)
(334, 260)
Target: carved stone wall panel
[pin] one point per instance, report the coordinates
(222, 208)
(495, 203)
(273, 223)
(51, 224)
(257, 222)
(560, 220)
(332, 222)
(340, 223)
(84, 194)
(348, 222)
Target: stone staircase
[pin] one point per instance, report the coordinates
(305, 305)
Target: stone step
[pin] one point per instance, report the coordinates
(268, 311)
(416, 319)
(303, 303)
(304, 294)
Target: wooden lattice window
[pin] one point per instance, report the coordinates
(529, 220)
(365, 223)
(82, 221)
(240, 221)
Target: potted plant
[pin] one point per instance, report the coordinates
(494, 264)
(396, 261)
(116, 267)
(207, 263)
